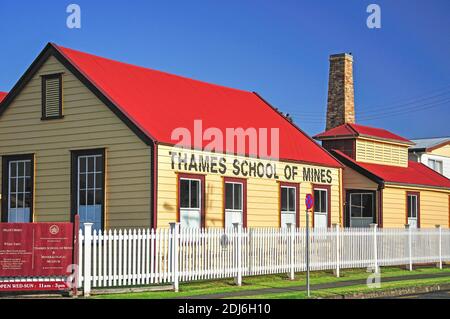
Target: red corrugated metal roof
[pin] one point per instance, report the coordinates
(353, 130)
(159, 102)
(414, 174)
(3, 95)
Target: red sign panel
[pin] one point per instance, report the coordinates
(35, 249)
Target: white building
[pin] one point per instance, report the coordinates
(433, 152)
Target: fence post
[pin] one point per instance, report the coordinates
(174, 229)
(375, 248)
(87, 259)
(238, 249)
(291, 251)
(410, 264)
(440, 246)
(338, 273)
(250, 250)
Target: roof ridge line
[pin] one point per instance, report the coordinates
(350, 125)
(153, 70)
(428, 138)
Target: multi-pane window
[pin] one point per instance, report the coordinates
(190, 193)
(233, 196)
(435, 165)
(320, 201)
(362, 205)
(20, 191)
(190, 202)
(90, 189)
(288, 199)
(288, 206)
(412, 206)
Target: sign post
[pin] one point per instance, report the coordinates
(309, 202)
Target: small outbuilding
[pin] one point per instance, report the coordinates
(381, 185)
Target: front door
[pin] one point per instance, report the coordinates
(361, 209)
(412, 210)
(190, 202)
(321, 208)
(234, 204)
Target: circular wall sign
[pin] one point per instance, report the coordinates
(309, 201)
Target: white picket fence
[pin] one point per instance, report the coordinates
(168, 256)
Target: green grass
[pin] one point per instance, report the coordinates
(326, 293)
(274, 281)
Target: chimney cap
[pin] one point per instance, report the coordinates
(342, 56)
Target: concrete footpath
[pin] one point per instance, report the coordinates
(268, 291)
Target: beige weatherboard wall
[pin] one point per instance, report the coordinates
(262, 193)
(87, 124)
(434, 206)
(442, 151)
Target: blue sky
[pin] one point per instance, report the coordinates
(277, 48)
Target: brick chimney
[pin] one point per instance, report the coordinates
(341, 101)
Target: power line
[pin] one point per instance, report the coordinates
(429, 106)
(405, 106)
(379, 110)
(393, 113)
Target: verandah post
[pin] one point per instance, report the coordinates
(337, 232)
(439, 228)
(238, 250)
(174, 229)
(375, 248)
(291, 251)
(87, 259)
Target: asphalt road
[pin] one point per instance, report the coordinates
(429, 295)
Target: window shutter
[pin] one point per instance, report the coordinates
(52, 97)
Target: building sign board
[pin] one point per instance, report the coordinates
(35, 249)
(248, 167)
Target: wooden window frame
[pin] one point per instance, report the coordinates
(418, 207)
(435, 161)
(74, 181)
(297, 201)
(202, 195)
(377, 216)
(328, 189)
(44, 79)
(5, 183)
(235, 180)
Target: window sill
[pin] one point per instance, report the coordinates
(52, 118)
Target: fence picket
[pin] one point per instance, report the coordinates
(137, 257)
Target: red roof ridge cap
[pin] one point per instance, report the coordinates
(151, 69)
(350, 125)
